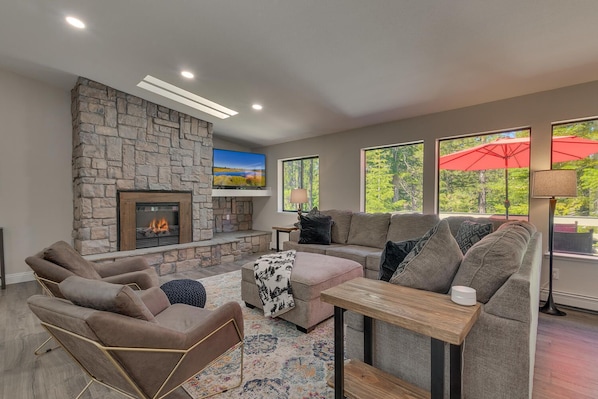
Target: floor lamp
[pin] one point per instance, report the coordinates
(552, 184)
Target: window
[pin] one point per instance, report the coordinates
(301, 173)
(485, 175)
(576, 219)
(394, 178)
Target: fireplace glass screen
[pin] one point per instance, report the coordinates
(157, 224)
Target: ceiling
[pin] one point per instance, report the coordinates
(316, 66)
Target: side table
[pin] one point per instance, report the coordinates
(2, 266)
(284, 230)
(423, 312)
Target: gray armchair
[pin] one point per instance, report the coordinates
(138, 345)
(60, 260)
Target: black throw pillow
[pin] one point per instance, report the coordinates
(392, 256)
(315, 229)
(471, 232)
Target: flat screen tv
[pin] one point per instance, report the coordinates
(237, 169)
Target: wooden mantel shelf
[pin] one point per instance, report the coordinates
(231, 192)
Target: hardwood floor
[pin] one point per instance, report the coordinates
(566, 357)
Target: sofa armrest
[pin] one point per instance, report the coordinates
(294, 235)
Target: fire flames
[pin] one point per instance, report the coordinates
(159, 225)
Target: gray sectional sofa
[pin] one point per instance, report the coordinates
(499, 351)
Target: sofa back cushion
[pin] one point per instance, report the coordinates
(409, 226)
(369, 229)
(100, 295)
(340, 226)
(492, 260)
(432, 263)
(64, 255)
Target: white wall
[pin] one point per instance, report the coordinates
(35, 169)
(340, 164)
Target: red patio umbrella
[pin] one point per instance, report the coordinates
(514, 153)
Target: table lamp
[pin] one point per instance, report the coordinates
(551, 184)
(299, 197)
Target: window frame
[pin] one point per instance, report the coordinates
(283, 188)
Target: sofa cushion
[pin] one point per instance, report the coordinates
(341, 225)
(456, 221)
(100, 295)
(432, 263)
(491, 261)
(358, 253)
(471, 232)
(409, 226)
(394, 253)
(315, 229)
(369, 229)
(65, 255)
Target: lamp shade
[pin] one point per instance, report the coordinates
(554, 183)
(298, 196)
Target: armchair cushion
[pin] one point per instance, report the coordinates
(65, 255)
(100, 295)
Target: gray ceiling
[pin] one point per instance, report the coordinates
(317, 66)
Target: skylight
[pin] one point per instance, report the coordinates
(185, 97)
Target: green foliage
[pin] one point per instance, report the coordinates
(394, 179)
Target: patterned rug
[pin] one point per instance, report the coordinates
(280, 362)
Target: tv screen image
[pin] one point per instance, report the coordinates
(238, 169)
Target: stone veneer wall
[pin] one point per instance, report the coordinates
(232, 214)
(122, 142)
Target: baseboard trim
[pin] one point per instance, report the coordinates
(16, 278)
(569, 299)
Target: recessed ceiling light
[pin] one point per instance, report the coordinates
(187, 74)
(185, 97)
(257, 107)
(76, 22)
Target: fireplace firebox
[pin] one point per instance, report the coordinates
(150, 219)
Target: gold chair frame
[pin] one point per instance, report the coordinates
(108, 352)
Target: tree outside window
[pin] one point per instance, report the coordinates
(484, 191)
(581, 212)
(394, 178)
(301, 173)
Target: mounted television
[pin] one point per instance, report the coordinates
(237, 169)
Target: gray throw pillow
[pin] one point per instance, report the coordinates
(491, 261)
(394, 253)
(100, 295)
(315, 229)
(432, 263)
(471, 232)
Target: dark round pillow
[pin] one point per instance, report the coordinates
(186, 291)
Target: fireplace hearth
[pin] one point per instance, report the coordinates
(151, 219)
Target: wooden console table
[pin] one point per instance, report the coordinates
(427, 313)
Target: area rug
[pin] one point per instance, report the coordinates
(279, 361)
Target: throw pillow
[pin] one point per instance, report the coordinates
(313, 212)
(393, 254)
(100, 295)
(471, 232)
(315, 229)
(491, 261)
(432, 263)
(64, 255)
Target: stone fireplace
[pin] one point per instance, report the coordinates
(123, 143)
